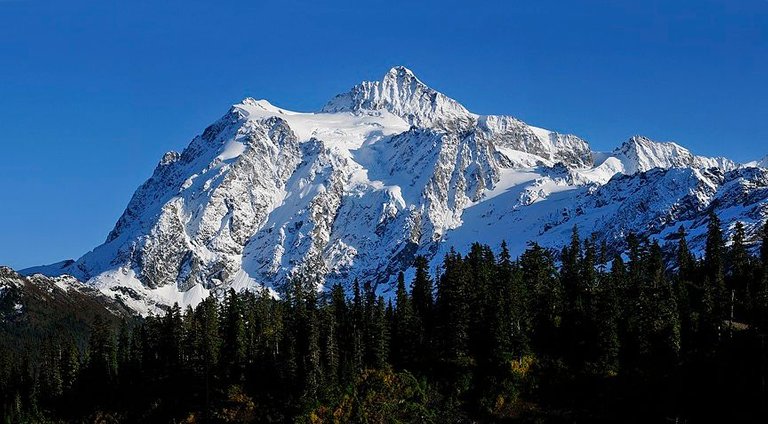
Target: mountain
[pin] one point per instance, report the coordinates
(762, 163)
(640, 154)
(389, 170)
(38, 298)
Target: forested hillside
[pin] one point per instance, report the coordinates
(654, 335)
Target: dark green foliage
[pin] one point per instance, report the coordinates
(491, 340)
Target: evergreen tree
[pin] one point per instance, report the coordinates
(545, 297)
(234, 335)
(569, 270)
(740, 277)
(171, 337)
(714, 251)
(102, 350)
(684, 289)
(70, 366)
(423, 304)
(403, 337)
(207, 346)
(685, 260)
(453, 308)
(329, 347)
(480, 266)
(379, 356)
(606, 319)
(764, 244)
(660, 313)
(305, 335)
(513, 306)
(357, 329)
(715, 292)
(422, 288)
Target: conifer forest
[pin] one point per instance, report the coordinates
(653, 334)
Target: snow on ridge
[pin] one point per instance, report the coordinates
(761, 163)
(384, 172)
(404, 95)
(641, 154)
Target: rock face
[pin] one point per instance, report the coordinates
(52, 295)
(403, 95)
(640, 154)
(387, 171)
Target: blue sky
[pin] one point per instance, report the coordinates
(92, 93)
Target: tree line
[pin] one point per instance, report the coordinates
(653, 334)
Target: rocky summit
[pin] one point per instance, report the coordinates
(387, 171)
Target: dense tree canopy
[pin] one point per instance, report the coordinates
(551, 336)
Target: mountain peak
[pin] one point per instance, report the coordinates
(760, 163)
(401, 93)
(641, 141)
(401, 71)
(261, 104)
(641, 154)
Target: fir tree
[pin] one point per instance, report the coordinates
(764, 245)
(453, 308)
(423, 303)
(714, 251)
(404, 355)
(739, 277)
(545, 297)
(685, 260)
(234, 335)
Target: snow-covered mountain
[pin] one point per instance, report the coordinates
(762, 163)
(382, 173)
(18, 294)
(640, 154)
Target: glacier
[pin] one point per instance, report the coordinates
(387, 171)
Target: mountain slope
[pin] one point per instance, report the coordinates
(387, 171)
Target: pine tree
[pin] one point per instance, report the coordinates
(514, 309)
(740, 277)
(70, 365)
(760, 291)
(404, 355)
(453, 308)
(233, 335)
(660, 317)
(100, 374)
(714, 254)
(102, 349)
(545, 297)
(684, 289)
(502, 319)
(329, 347)
(306, 337)
(123, 348)
(207, 346)
(714, 251)
(685, 260)
(357, 323)
(569, 270)
(423, 303)
(480, 265)
(171, 340)
(422, 289)
(587, 335)
(345, 332)
(764, 245)
(381, 337)
(760, 302)
(606, 319)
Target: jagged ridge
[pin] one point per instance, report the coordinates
(386, 171)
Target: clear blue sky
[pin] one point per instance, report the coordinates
(92, 93)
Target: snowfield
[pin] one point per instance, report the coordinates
(387, 171)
